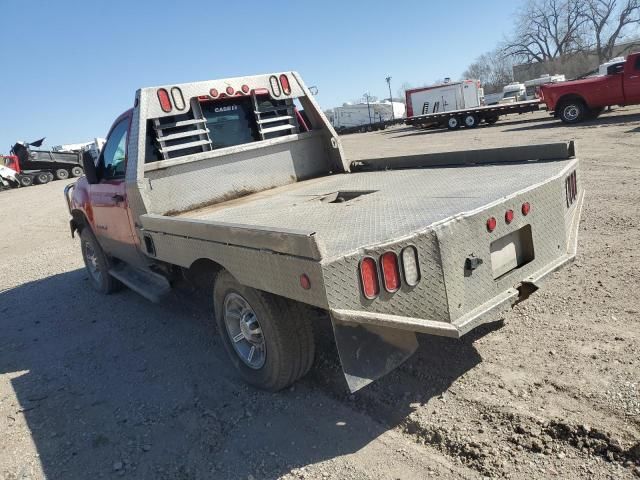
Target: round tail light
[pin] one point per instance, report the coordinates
(526, 208)
(508, 216)
(491, 224)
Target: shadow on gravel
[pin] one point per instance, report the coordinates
(116, 386)
(605, 119)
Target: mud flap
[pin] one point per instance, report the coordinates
(368, 352)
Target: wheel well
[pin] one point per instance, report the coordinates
(569, 98)
(78, 221)
(203, 271)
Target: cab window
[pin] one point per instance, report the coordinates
(637, 62)
(112, 163)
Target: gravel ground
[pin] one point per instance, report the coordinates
(107, 387)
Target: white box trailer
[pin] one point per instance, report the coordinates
(376, 114)
(444, 97)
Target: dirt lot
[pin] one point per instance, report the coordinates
(107, 387)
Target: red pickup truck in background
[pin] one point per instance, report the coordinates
(579, 100)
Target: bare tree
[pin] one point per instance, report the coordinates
(608, 20)
(494, 70)
(548, 29)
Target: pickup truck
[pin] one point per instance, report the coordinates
(579, 100)
(241, 186)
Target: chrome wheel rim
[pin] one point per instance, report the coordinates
(571, 112)
(91, 261)
(453, 122)
(470, 121)
(244, 331)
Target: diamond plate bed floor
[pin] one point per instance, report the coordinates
(387, 204)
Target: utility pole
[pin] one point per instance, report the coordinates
(366, 95)
(393, 116)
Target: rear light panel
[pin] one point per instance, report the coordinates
(390, 271)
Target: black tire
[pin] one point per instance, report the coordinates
(491, 120)
(471, 121)
(96, 258)
(25, 180)
(61, 174)
(453, 123)
(42, 178)
(572, 111)
(77, 172)
(286, 334)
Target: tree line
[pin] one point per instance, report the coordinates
(546, 30)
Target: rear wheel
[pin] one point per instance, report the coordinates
(43, 177)
(77, 171)
(25, 180)
(453, 123)
(572, 111)
(97, 263)
(267, 338)
(62, 174)
(471, 121)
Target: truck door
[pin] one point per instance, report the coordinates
(632, 81)
(112, 224)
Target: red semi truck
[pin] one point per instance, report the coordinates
(578, 100)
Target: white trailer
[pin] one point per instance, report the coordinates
(373, 115)
(514, 92)
(444, 97)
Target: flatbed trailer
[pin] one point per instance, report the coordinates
(472, 117)
(276, 228)
(369, 127)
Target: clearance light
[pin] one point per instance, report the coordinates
(286, 87)
(163, 98)
(390, 271)
(369, 278)
(230, 90)
(526, 208)
(410, 266)
(245, 88)
(213, 92)
(491, 224)
(305, 282)
(508, 216)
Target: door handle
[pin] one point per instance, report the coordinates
(118, 198)
(633, 77)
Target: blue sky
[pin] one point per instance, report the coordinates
(70, 67)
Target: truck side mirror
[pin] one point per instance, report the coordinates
(89, 166)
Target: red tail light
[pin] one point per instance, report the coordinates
(305, 282)
(526, 208)
(245, 88)
(369, 278)
(508, 216)
(213, 92)
(230, 90)
(491, 224)
(390, 271)
(284, 81)
(165, 102)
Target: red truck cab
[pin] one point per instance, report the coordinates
(578, 100)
